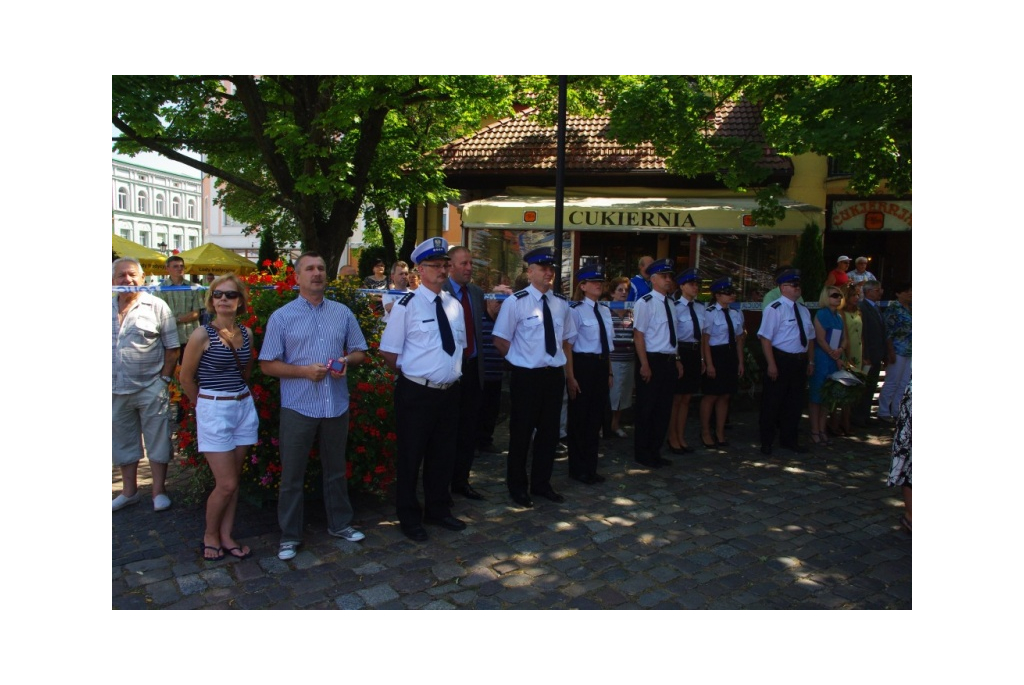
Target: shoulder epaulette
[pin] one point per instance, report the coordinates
(710, 308)
(776, 305)
(573, 305)
(521, 294)
(647, 297)
(405, 299)
(560, 296)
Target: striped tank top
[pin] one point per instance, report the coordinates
(218, 369)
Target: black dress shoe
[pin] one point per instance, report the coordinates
(522, 499)
(586, 480)
(597, 478)
(766, 449)
(561, 449)
(415, 533)
(550, 494)
(468, 492)
(649, 464)
(709, 445)
(797, 447)
(663, 462)
(721, 443)
(449, 522)
(680, 450)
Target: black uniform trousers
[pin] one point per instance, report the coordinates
(490, 408)
(536, 399)
(586, 412)
(427, 423)
(469, 409)
(782, 400)
(653, 410)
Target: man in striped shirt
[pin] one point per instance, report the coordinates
(301, 338)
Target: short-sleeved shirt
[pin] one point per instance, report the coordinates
(302, 333)
(182, 302)
(139, 342)
(638, 287)
(898, 328)
(521, 322)
(391, 298)
(588, 338)
(717, 329)
(413, 334)
(860, 277)
(684, 322)
(779, 326)
(649, 317)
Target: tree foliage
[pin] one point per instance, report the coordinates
(299, 154)
(811, 262)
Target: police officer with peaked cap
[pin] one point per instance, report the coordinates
(690, 320)
(588, 375)
(423, 343)
(787, 338)
(531, 331)
(657, 364)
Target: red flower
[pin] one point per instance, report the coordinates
(277, 264)
(382, 413)
(360, 449)
(266, 262)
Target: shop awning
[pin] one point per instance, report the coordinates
(648, 214)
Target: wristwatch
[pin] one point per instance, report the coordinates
(166, 379)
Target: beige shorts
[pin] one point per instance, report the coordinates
(141, 425)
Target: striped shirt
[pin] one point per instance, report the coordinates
(622, 330)
(183, 302)
(138, 344)
(218, 367)
(301, 333)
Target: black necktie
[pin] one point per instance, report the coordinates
(603, 330)
(671, 324)
(696, 323)
(728, 322)
(800, 325)
(447, 339)
(549, 329)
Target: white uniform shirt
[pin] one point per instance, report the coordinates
(778, 325)
(521, 322)
(684, 322)
(649, 318)
(588, 334)
(413, 334)
(389, 298)
(717, 330)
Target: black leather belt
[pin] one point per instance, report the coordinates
(225, 397)
(776, 350)
(690, 345)
(428, 383)
(590, 355)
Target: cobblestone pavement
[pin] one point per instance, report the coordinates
(719, 529)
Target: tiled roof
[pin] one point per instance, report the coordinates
(520, 144)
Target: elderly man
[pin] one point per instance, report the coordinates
(145, 351)
(301, 338)
(424, 343)
(860, 273)
(640, 284)
(530, 332)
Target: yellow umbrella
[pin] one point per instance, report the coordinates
(151, 260)
(211, 258)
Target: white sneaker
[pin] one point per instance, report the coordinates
(621, 433)
(161, 502)
(120, 502)
(286, 551)
(349, 533)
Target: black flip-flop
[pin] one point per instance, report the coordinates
(240, 555)
(204, 547)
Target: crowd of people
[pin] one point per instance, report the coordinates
(451, 346)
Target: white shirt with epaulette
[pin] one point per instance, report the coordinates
(649, 318)
(588, 334)
(413, 334)
(716, 328)
(779, 326)
(684, 323)
(521, 322)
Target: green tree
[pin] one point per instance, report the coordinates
(811, 262)
(298, 155)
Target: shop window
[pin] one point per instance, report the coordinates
(751, 261)
(498, 256)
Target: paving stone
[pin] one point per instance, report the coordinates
(378, 594)
(191, 584)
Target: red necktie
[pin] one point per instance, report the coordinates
(467, 312)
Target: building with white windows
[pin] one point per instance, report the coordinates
(157, 209)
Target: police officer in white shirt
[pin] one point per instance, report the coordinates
(423, 342)
(787, 339)
(658, 364)
(532, 327)
(588, 375)
(690, 320)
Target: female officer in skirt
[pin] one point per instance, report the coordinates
(722, 344)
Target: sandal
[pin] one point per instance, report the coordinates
(237, 552)
(202, 552)
(816, 438)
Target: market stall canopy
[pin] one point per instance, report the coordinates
(151, 260)
(211, 258)
(647, 214)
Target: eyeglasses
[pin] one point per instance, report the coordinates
(230, 294)
(442, 265)
(835, 296)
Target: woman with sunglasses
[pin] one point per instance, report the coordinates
(722, 348)
(214, 375)
(623, 354)
(829, 342)
(853, 327)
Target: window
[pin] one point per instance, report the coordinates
(161, 239)
(122, 198)
(144, 238)
(837, 166)
(140, 202)
(191, 209)
(750, 260)
(176, 206)
(158, 203)
(126, 233)
(191, 242)
(177, 242)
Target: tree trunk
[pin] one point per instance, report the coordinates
(386, 236)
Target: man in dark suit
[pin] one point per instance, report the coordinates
(472, 299)
(874, 346)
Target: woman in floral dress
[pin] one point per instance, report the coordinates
(900, 471)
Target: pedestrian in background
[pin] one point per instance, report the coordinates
(623, 356)
(898, 331)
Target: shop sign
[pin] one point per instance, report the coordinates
(871, 215)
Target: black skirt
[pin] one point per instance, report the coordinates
(689, 354)
(727, 369)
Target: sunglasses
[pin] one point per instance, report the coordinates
(835, 296)
(230, 294)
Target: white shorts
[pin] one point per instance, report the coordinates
(224, 425)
